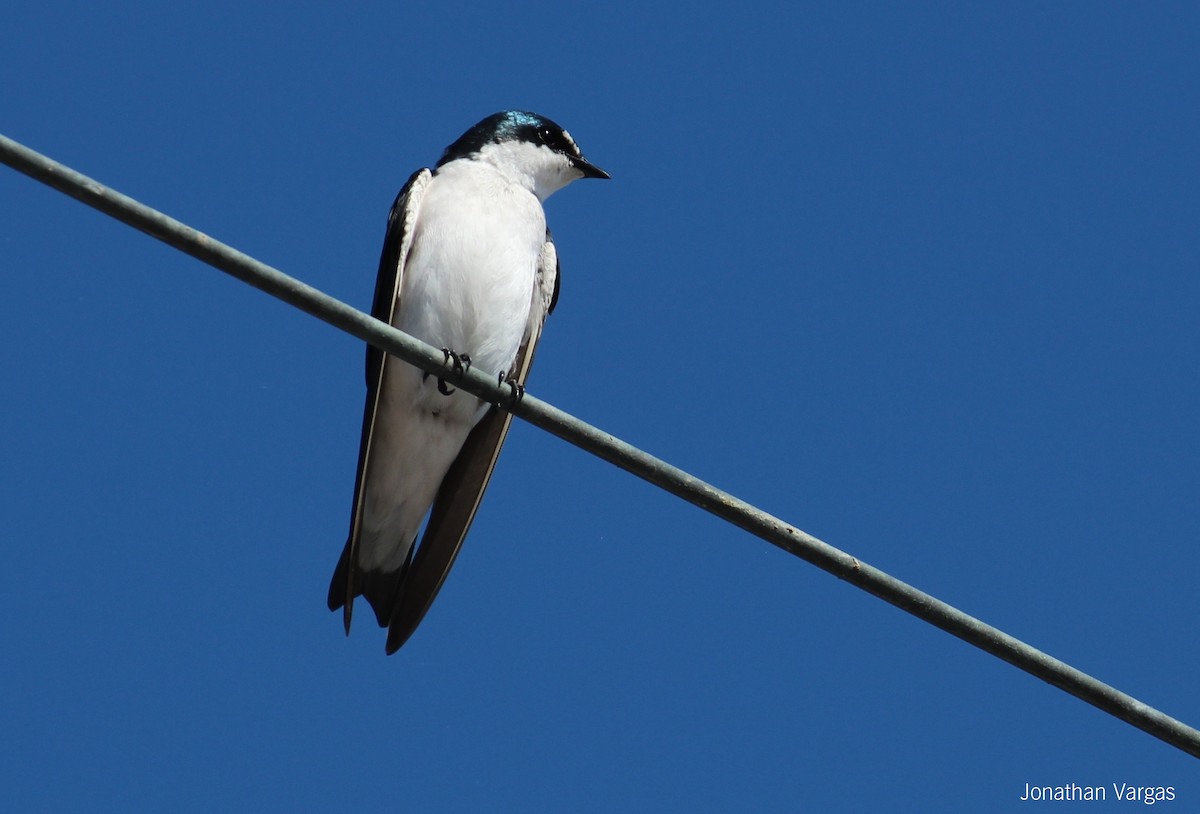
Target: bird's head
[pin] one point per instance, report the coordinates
(528, 147)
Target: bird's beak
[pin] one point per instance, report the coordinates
(589, 170)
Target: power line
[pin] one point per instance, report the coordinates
(599, 443)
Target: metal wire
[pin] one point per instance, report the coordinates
(599, 443)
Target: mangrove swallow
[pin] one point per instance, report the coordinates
(468, 266)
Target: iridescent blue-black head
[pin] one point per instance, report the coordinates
(525, 127)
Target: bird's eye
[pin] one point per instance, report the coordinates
(545, 135)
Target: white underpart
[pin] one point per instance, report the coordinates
(468, 287)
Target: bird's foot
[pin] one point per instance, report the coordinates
(517, 389)
(459, 363)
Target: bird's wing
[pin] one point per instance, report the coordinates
(460, 492)
(348, 582)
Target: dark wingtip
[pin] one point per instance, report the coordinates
(392, 646)
(340, 595)
(337, 585)
(399, 632)
(380, 589)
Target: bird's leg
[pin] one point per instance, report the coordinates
(518, 389)
(459, 363)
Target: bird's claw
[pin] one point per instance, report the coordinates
(459, 363)
(517, 389)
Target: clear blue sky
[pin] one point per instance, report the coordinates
(920, 278)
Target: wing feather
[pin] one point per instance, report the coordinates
(460, 493)
(348, 582)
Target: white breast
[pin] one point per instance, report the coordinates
(473, 265)
(467, 286)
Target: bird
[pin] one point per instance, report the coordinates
(469, 266)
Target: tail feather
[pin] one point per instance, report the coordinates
(381, 589)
